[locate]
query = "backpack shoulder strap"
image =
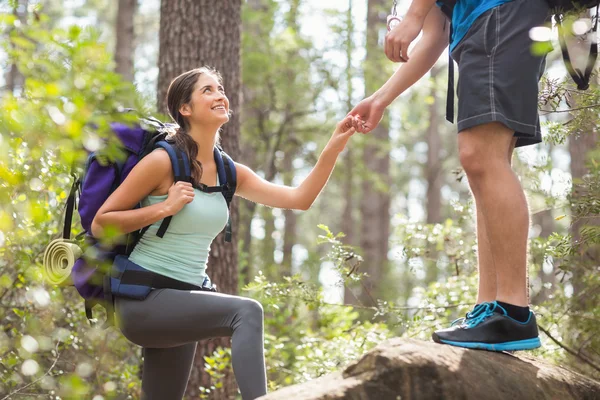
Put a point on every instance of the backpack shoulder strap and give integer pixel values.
(225, 170)
(181, 172)
(71, 205)
(179, 162)
(228, 181)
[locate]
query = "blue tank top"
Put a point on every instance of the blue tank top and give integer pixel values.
(464, 15)
(182, 253)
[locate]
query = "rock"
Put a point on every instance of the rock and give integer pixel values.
(401, 369)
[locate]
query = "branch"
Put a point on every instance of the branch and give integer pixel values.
(570, 351)
(322, 303)
(37, 380)
(8, 289)
(539, 211)
(572, 109)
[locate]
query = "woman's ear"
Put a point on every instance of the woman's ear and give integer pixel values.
(185, 110)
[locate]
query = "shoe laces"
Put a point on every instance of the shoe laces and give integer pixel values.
(481, 313)
(479, 308)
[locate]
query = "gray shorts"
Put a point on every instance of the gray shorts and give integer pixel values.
(498, 75)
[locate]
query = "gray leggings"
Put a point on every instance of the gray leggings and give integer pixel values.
(168, 323)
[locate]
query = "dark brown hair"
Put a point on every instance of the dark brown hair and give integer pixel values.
(180, 93)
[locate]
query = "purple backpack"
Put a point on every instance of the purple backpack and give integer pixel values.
(91, 272)
(99, 180)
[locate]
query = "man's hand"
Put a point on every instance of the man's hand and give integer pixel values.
(399, 38)
(367, 114)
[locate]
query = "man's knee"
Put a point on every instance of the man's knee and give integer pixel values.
(471, 160)
(484, 148)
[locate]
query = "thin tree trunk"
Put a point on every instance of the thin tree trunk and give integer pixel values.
(579, 146)
(348, 223)
(247, 212)
(291, 219)
(545, 220)
(434, 164)
(194, 33)
(250, 27)
(375, 204)
(14, 79)
(125, 48)
(268, 243)
(433, 175)
(580, 143)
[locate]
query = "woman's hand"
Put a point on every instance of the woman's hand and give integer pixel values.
(343, 130)
(180, 194)
(254, 188)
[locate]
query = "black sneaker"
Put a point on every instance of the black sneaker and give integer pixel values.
(489, 327)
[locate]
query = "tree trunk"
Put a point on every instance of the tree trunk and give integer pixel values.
(125, 48)
(291, 219)
(194, 33)
(579, 146)
(433, 175)
(375, 203)
(250, 27)
(545, 220)
(413, 370)
(14, 78)
(583, 264)
(348, 225)
(267, 244)
(433, 167)
(580, 143)
(247, 211)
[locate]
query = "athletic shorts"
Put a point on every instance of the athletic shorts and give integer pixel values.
(498, 74)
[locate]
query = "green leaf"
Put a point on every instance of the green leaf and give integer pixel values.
(541, 48)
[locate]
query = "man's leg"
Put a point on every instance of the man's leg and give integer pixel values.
(497, 101)
(507, 323)
(501, 202)
(487, 290)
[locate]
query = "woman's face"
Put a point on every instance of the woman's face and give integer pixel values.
(208, 105)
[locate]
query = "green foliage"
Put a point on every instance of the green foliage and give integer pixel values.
(216, 367)
(570, 313)
(305, 337)
(45, 129)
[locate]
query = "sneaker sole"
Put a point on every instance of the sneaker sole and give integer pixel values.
(527, 344)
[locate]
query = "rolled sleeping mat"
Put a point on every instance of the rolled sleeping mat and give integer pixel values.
(59, 258)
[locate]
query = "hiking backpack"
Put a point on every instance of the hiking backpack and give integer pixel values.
(91, 272)
(558, 8)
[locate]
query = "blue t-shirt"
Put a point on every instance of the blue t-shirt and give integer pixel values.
(464, 15)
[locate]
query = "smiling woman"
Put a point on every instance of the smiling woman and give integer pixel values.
(197, 99)
(170, 318)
